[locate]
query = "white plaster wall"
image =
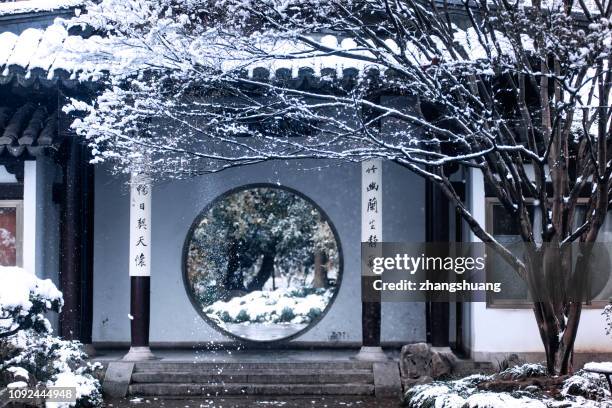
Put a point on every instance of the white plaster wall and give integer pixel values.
(335, 187)
(29, 216)
(495, 332)
(6, 177)
(41, 221)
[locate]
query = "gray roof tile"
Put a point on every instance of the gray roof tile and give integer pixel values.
(29, 127)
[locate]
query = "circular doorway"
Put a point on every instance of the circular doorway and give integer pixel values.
(262, 263)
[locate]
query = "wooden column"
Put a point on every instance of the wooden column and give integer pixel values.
(87, 248)
(140, 267)
(437, 230)
(71, 238)
(76, 257)
(371, 233)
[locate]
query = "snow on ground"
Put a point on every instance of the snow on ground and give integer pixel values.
(286, 305)
(602, 367)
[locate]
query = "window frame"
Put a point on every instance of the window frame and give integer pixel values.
(18, 205)
(490, 202)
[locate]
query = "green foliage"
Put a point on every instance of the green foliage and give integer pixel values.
(305, 291)
(286, 315)
(314, 312)
(225, 317)
(207, 294)
(247, 224)
(29, 353)
(242, 316)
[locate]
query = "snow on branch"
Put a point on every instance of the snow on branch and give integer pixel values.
(520, 92)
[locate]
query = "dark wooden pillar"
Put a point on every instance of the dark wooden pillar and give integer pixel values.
(87, 248)
(71, 249)
(76, 231)
(140, 300)
(437, 230)
(370, 318)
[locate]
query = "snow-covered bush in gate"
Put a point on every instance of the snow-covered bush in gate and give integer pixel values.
(607, 313)
(30, 356)
(278, 306)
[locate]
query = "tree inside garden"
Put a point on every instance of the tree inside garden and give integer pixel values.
(258, 235)
(262, 262)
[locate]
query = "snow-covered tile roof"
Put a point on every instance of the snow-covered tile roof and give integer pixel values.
(52, 53)
(33, 6)
(48, 54)
(29, 127)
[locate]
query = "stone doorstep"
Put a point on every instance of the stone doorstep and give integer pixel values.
(169, 365)
(387, 381)
(260, 377)
(157, 389)
(117, 379)
(167, 378)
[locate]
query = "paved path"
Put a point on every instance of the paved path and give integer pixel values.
(255, 402)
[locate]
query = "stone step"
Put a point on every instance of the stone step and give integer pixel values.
(239, 366)
(210, 390)
(267, 376)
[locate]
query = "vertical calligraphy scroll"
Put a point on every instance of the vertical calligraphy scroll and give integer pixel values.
(140, 226)
(371, 237)
(371, 202)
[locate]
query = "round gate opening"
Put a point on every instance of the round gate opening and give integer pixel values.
(262, 263)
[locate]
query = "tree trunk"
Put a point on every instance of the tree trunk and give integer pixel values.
(557, 335)
(233, 276)
(264, 273)
(320, 272)
(558, 295)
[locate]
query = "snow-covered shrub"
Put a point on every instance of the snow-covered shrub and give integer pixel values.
(286, 315)
(23, 301)
(523, 371)
(279, 306)
(29, 354)
(607, 313)
(584, 384)
(583, 389)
